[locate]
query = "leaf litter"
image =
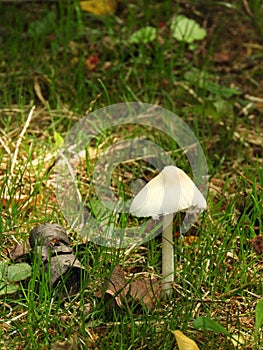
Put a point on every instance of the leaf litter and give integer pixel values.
(145, 292)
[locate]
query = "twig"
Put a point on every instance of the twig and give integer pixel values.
(16, 317)
(20, 140)
(254, 98)
(247, 8)
(18, 145)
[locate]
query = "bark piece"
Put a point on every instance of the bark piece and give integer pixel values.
(51, 243)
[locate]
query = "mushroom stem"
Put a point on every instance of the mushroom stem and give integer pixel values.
(167, 254)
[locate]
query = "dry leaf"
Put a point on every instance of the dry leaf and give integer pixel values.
(184, 343)
(38, 91)
(115, 286)
(99, 7)
(146, 292)
(223, 57)
(19, 250)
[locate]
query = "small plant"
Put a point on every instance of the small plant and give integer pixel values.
(208, 324)
(182, 28)
(144, 35)
(187, 30)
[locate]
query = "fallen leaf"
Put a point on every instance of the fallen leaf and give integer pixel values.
(9, 274)
(18, 272)
(115, 286)
(38, 91)
(222, 57)
(146, 292)
(99, 7)
(184, 343)
(19, 250)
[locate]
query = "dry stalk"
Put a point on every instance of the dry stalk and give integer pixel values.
(14, 160)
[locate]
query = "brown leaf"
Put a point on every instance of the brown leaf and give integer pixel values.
(257, 244)
(146, 292)
(115, 286)
(19, 250)
(222, 57)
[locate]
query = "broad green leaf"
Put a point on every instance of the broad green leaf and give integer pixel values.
(186, 29)
(58, 139)
(18, 272)
(184, 343)
(144, 35)
(3, 271)
(8, 288)
(207, 324)
(259, 315)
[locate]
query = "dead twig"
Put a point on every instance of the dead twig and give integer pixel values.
(14, 160)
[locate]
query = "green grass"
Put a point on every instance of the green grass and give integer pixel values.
(44, 55)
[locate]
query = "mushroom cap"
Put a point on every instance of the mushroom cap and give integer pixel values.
(169, 192)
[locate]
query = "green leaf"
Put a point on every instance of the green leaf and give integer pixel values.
(224, 107)
(259, 315)
(3, 271)
(204, 81)
(222, 91)
(186, 29)
(58, 139)
(207, 324)
(18, 272)
(144, 35)
(8, 288)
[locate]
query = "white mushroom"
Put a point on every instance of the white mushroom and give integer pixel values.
(170, 192)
